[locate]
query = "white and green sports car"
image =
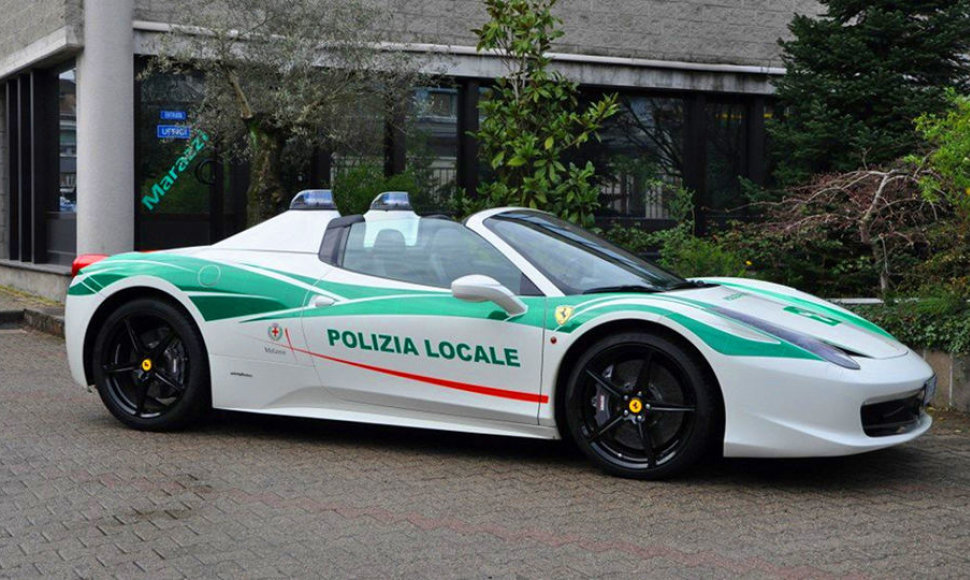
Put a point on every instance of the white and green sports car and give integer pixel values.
(511, 323)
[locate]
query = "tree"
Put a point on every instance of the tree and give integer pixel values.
(883, 209)
(946, 177)
(948, 161)
(303, 73)
(857, 77)
(531, 119)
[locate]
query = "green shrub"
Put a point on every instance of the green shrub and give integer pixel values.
(826, 266)
(939, 322)
(680, 250)
(949, 158)
(688, 255)
(354, 189)
(632, 239)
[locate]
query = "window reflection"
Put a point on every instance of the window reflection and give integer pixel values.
(639, 157)
(432, 147)
(173, 197)
(67, 108)
(645, 141)
(726, 157)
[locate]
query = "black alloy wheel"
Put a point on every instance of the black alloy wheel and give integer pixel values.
(639, 406)
(150, 366)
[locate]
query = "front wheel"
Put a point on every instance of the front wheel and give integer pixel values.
(640, 406)
(150, 366)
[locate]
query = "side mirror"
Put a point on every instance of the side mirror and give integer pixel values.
(478, 288)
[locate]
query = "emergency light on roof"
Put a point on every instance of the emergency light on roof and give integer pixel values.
(313, 199)
(391, 201)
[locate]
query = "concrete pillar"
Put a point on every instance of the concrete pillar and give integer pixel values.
(106, 129)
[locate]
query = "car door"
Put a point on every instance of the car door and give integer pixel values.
(394, 337)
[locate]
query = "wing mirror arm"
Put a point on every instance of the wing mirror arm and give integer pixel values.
(478, 288)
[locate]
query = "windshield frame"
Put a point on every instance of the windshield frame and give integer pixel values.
(596, 247)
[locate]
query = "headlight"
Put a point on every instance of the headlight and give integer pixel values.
(929, 390)
(801, 340)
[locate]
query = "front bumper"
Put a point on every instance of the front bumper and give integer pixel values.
(814, 409)
(78, 311)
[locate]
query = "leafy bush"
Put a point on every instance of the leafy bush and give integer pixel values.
(354, 189)
(949, 262)
(949, 159)
(829, 266)
(680, 250)
(939, 322)
(689, 255)
(633, 239)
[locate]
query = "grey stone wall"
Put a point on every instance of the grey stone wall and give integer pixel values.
(952, 379)
(4, 186)
(24, 21)
(743, 32)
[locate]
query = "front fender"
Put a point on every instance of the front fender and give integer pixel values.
(588, 317)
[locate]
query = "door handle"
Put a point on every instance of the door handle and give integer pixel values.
(321, 301)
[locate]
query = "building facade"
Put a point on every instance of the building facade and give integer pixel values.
(84, 138)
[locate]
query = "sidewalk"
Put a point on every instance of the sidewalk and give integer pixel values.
(21, 308)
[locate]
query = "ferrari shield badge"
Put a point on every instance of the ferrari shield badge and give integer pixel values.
(563, 313)
(275, 332)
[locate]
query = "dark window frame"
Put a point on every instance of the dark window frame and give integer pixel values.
(33, 161)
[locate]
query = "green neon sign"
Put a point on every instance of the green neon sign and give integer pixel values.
(162, 186)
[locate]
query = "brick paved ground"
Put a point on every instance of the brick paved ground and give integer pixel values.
(250, 496)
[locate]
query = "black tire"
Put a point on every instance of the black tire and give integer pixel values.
(640, 406)
(150, 366)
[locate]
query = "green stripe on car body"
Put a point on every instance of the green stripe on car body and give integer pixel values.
(254, 293)
(722, 341)
(836, 313)
(235, 292)
(81, 288)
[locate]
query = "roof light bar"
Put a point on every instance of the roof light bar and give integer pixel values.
(313, 199)
(392, 201)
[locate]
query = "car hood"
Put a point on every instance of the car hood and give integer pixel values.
(797, 311)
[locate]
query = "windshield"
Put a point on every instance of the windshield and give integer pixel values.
(577, 261)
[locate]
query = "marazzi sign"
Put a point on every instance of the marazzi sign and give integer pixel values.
(161, 187)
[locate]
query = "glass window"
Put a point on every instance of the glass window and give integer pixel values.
(639, 155)
(575, 260)
(174, 165)
(427, 251)
(432, 147)
(644, 143)
(67, 107)
(357, 166)
(726, 157)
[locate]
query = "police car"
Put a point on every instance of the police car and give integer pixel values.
(511, 323)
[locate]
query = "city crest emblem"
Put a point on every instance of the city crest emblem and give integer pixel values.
(275, 332)
(563, 313)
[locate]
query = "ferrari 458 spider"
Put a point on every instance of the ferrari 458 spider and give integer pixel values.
(511, 323)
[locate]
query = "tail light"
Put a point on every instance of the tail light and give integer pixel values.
(85, 260)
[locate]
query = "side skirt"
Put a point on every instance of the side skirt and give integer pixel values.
(405, 418)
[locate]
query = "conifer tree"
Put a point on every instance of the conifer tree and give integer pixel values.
(859, 75)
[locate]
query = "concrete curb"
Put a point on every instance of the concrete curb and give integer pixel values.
(11, 316)
(49, 320)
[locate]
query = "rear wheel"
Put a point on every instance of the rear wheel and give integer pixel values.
(150, 366)
(640, 406)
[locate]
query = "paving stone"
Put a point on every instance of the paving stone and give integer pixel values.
(256, 497)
